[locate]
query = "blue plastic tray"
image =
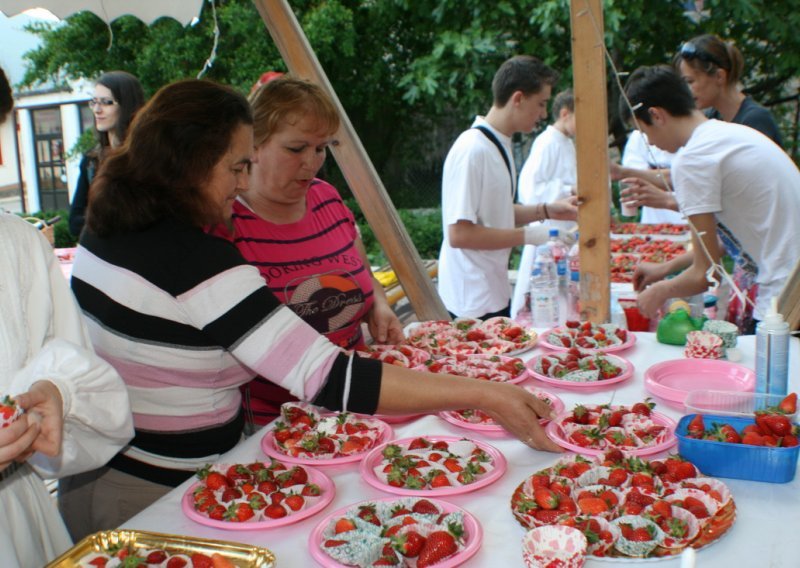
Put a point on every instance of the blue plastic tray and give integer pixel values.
(737, 461)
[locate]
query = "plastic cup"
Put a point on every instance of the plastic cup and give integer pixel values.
(628, 210)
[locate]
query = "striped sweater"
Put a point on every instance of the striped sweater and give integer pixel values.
(186, 321)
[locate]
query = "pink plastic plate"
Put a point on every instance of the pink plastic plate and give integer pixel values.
(454, 418)
(393, 418)
(375, 457)
(627, 373)
(610, 349)
(314, 476)
(471, 526)
(673, 380)
(270, 448)
(556, 434)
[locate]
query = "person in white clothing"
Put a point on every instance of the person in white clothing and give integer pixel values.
(641, 159)
(478, 212)
(76, 410)
(718, 176)
(550, 173)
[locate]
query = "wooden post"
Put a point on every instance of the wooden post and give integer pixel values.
(356, 165)
(591, 144)
(789, 300)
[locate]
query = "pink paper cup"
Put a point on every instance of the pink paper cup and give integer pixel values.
(554, 543)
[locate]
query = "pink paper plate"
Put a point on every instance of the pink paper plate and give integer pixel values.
(556, 434)
(375, 457)
(314, 476)
(471, 525)
(627, 373)
(543, 341)
(268, 447)
(453, 418)
(673, 380)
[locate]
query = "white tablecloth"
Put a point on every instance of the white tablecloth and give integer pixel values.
(765, 533)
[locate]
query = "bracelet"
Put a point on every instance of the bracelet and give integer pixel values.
(546, 214)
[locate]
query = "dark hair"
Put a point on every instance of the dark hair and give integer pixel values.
(6, 96)
(564, 99)
(173, 144)
(709, 52)
(521, 73)
(128, 94)
(656, 86)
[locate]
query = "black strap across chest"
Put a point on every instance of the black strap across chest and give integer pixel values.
(490, 135)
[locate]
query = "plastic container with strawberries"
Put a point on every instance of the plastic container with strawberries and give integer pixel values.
(737, 461)
(732, 403)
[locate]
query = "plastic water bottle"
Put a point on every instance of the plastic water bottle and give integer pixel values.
(772, 353)
(574, 284)
(559, 252)
(544, 289)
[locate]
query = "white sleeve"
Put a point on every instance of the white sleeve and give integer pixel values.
(462, 180)
(539, 182)
(97, 418)
(97, 415)
(697, 181)
(635, 153)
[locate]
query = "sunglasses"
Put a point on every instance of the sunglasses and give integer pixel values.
(101, 102)
(691, 51)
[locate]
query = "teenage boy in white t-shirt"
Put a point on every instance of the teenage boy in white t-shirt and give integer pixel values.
(479, 216)
(723, 173)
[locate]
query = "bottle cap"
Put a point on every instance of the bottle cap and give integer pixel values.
(554, 232)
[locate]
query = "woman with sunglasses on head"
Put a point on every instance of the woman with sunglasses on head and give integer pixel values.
(186, 320)
(117, 96)
(713, 70)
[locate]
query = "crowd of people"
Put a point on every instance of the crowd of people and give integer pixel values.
(218, 276)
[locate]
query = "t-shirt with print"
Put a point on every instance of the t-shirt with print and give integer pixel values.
(753, 188)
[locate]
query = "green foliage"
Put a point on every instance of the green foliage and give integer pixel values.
(423, 225)
(62, 237)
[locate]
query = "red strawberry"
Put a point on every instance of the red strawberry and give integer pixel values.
(410, 544)
(440, 479)
(310, 490)
(216, 512)
(9, 411)
(643, 408)
(696, 428)
(176, 562)
(239, 513)
(214, 480)
(425, 507)
(592, 505)
(545, 498)
(789, 404)
(275, 511)
(100, 562)
(789, 441)
(440, 545)
(333, 543)
(778, 424)
(753, 439)
(294, 501)
(200, 560)
(419, 443)
(642, 534)
(156, 557)
(369, 514)
(344, 525)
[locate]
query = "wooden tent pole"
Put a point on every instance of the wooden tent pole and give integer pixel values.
(789, 299)
(591, 144)
(356, 165)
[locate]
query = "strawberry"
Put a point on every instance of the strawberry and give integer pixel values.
(642, 534)
(452, 465)
(663, 508)
(9, 411)
(369, 514)
(100, 562)
(410, 544)
(547, 517)
(545, 498)
(753, 439)
(425, 507)
(440, 479)
(789, 404)
(230, 494)
(344, 525)
(696, 428)
(789, 441)
(294, 501)
(176, 562)
(239, 513)
(728, 433)
(617, 477)
(592, 506)
(333, 543)
(310, 490)
(200, 560)
(440, 545)
(643, 408)
(418, 444)
(214, 480)
(275, 511)
(257, 501)
(216, 512)
(777, 424)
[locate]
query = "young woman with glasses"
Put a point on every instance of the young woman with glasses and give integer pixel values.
(117, 96)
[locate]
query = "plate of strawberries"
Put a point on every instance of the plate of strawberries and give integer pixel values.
(433, 465)
(258, 495)
(400, 355)
(628, 507)
(636, 430)
(304, 435)
(588, 336)
(406, 531)
(468, 336)
(494, 368)
(475, 419)
(578, 369)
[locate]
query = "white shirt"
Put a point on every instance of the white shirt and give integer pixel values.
(476, 187)
(641, 155)
(753, 188)
(42, 336)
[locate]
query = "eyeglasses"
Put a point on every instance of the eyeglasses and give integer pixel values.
(101, 102)
(691, 51)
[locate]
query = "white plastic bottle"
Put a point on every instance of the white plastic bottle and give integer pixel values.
(772, 353)
(574, 284)
(544, 289)
(559, 251)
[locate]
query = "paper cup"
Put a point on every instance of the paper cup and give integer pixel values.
(543, 545)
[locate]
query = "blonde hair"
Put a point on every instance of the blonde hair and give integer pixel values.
(287, 99)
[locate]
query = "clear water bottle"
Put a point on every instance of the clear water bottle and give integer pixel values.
(544, 289)
(559, 252)
(574, 284)
(772, 353)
